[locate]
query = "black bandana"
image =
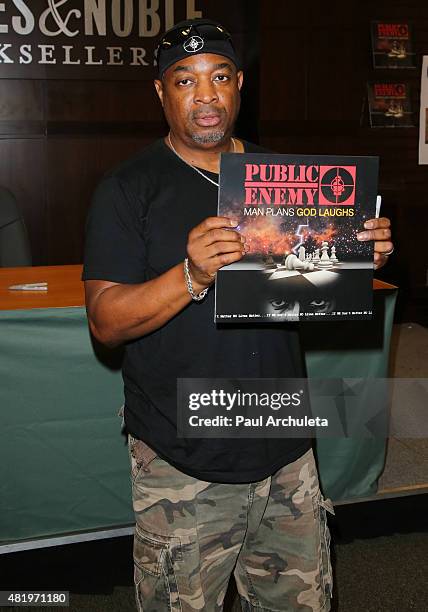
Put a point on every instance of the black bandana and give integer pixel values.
(193, 37)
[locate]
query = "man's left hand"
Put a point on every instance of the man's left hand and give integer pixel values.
(379, 231)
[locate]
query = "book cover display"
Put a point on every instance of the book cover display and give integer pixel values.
(300, 216)
(392, 45)
(389, 105)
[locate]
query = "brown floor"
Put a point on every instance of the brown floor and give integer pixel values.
(406, 465)
(379, 557)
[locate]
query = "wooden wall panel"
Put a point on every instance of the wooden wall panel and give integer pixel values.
(58, 137)
(283, 76)
(72, 171)
(21, 100)
(75, 165)
(319, 55)
(335, 87)
(101, 101)
(114, 150)
(21, 108)
(22, 170)
(283, 15)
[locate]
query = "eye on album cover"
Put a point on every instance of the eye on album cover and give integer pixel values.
(300, 216)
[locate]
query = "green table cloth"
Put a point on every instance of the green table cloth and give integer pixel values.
(64, 462)
(350, 467)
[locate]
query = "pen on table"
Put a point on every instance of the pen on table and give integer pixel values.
(43, 286)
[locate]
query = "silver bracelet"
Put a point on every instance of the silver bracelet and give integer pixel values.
(197, 297)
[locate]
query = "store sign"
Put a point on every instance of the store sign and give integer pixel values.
(85, 38)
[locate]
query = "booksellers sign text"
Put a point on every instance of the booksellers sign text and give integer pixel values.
(66, 38)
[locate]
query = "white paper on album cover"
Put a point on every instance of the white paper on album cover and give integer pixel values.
(423, 117)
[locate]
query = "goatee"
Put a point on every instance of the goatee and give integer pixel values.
(210, 138)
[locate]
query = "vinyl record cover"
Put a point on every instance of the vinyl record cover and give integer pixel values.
(392, 45)
(300, 215)
(389, 105)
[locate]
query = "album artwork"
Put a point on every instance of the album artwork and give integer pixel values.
(392, 45)
(300, 215)
(389, 105)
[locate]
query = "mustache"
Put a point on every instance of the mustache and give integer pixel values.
(207, 111)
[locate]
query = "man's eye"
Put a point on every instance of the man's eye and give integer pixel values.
(221, 77)
(184, 82)
(279, 304)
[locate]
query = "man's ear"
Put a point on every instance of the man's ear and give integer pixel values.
(159, 89)
(240, 77)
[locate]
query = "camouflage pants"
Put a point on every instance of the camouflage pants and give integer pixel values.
(190, 536)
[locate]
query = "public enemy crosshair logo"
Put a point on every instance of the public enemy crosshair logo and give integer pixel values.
(337, 185)
(194, 44)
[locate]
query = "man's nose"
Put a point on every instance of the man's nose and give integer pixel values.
(205, 92)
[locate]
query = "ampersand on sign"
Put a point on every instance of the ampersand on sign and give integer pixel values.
(62, 24)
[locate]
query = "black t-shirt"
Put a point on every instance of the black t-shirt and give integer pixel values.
(137, 229)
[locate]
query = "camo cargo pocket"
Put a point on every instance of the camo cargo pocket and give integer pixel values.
(321, 507)
(154, 577)
(140, 456)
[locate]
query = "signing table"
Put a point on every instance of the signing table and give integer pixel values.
(64, 465)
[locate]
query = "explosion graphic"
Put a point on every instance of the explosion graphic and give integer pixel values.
(264, 235)
(278, 236)
(270, 235)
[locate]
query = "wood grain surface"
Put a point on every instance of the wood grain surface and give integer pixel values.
(64, 287)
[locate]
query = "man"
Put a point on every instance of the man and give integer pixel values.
(204, 507)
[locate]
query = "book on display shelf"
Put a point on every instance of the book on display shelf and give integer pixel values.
(300, 215)
(392, 45)
(389, 105)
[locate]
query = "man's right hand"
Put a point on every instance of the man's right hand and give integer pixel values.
(211, 245)
(120, 312)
